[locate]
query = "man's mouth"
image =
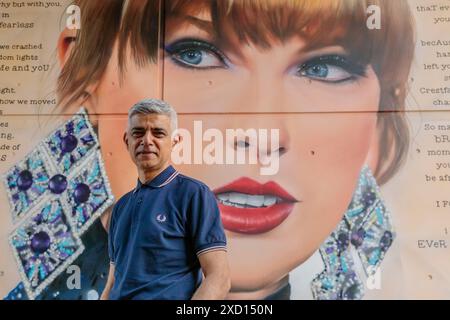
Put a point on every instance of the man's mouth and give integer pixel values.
(250, 207)
(145, 153)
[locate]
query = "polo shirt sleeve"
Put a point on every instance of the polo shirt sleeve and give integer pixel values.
(111, 236)
(205, 223)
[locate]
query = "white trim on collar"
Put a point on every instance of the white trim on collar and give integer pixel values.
(169, 179)
(173, 176)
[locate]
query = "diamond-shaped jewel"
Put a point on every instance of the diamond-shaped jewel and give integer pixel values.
(69, 144)
(63, 176)
(89, 194)
(367, 227)
(44, 245)
(26, 182)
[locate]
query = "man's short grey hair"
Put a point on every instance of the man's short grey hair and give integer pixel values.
(154, 106)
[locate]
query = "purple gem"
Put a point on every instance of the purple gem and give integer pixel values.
(24, 180)
(342, 241)
(357, 238)
(386, 240)
(68, 143)
(81, 193)
(57, 184)
(369, 198)
(38, 219)
(40, 242)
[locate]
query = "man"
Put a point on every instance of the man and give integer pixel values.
(167, 231)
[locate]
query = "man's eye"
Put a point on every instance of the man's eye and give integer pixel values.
(158, 133)
(332, 69)
(195, 54)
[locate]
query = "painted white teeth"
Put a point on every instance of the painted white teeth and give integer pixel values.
(269, 201)
(255, 201)
(242, 200)
(239, 198)
(223, 196)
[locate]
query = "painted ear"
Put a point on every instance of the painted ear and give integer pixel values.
(65, 45)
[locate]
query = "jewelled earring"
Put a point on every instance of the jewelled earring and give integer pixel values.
(365, 228)
(55, 195)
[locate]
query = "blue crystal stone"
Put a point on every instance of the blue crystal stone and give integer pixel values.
(386, 240)
(351, 293)
(369, 198)
(57, 184)
(24, 180)
(81, 193)
(68, 143)
(40, 242)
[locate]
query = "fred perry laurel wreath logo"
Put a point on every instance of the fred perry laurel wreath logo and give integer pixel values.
(161, 218)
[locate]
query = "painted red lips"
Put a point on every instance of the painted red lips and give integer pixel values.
(250, 207)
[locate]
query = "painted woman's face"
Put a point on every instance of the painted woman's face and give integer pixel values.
(324, 105)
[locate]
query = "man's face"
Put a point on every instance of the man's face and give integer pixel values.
(148, 139)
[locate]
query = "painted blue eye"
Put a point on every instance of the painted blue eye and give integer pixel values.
(197, 58)
(331, 68)
(192, 57)
(196, 54)
(318, 71)
(325, 72)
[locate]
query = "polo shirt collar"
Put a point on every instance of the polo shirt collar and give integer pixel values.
(162, 179)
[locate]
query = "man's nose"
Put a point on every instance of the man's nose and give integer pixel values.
(147, 139)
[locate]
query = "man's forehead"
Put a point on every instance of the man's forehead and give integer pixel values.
(152, 120)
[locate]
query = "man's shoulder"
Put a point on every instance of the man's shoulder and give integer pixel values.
(191, 184)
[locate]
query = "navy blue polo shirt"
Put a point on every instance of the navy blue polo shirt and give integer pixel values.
(156, 234)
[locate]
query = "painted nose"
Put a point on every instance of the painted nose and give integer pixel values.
(271, 139)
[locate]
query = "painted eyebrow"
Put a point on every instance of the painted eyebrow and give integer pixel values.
(207, 27)
(204, 25)
(319, 49)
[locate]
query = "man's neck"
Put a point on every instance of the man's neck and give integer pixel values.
(149, 175)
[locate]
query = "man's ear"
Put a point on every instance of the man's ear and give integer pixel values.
(66, 42)
(125, 139)
(176, 138)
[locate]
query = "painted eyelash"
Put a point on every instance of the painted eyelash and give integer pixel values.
(184, 45)
(354, 69)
